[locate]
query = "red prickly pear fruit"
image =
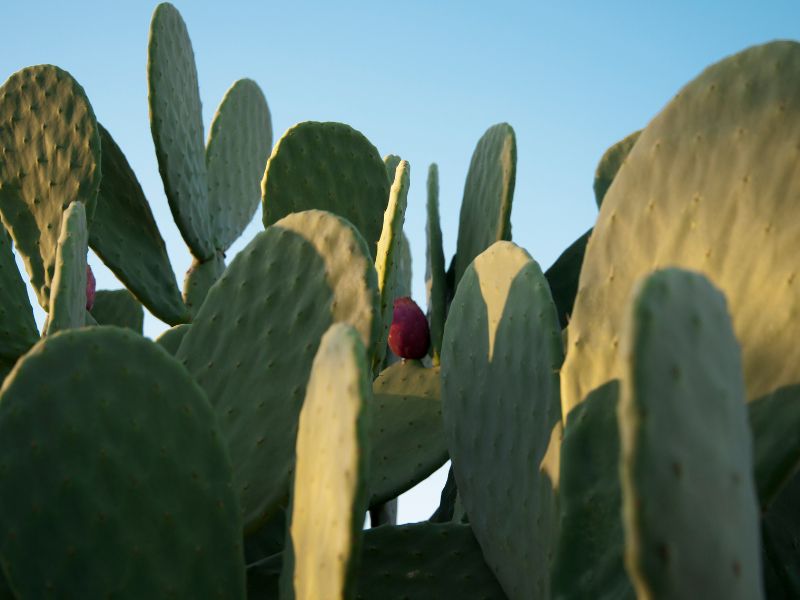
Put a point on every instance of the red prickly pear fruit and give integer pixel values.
(409, 336)
(91, 286)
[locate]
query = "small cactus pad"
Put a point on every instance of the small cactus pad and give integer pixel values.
(171, 339)
(253, 340)
(713, 177)
(51, 157)
(119, 308)
(434, 265)
(781, 542)
(500, 357)
(774, 422)
(406, 434)
(17, 327)
(391, 162)
(328, 166)
(69, 292)
(124, 227)
(690, 510)
(609, 164)
(488, 193)
(199, 279)
(132, 493)
(176, 122)
(589, 560)
(424, 561)
(405, 273)
(238, 147)
(409, 334)
(563, 277)
(330, 484)
(387, 254)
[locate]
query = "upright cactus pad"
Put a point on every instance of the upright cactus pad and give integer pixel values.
(239, 144)
(327, 166)
(406, 434)
(711, 185)
(132, 494)
(434, 268)
(199, 279)
(330, 485)
(118, 308)
(68, 300)
(176, 122)
(17, 327)
(253, 340)
(610, 163)
(488, 193)
(690, 510)
(51, 157)
(563, 277)
(500, 403)
(171, 339)
(124, 227)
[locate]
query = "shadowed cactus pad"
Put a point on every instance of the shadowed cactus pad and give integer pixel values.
(134, 459)
(69, 296)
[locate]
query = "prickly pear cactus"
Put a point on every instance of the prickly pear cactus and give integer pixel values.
(68, 295)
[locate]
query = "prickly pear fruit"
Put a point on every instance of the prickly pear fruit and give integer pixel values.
(409, 336)
(91, 286)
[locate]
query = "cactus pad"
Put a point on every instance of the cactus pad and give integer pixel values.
(199, 279)
(253, 340)
(406, 434)
(176, 122)
(690, 510)
(124, 227)
(500, 357)
(563, 277)
(330, 485)
(171, 339)
(51, 157)
(609, 165)
(434, 269)
(118, 308)
(713, 177)
(328, 166)
(486, 208)
(68, 294)
(239, 144)
(134, 459)
(17, 326)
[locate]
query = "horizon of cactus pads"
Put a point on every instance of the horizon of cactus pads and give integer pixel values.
(623, 425)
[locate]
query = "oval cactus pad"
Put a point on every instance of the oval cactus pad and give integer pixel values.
(253, 340)
(500, 357)
(132, 495)
(329, 166)
(51, 157)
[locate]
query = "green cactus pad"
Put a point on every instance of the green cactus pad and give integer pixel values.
(199, 279)
(17, 327)
(119, 308)
(711, 178)
(690, 510)
(405, 272)
(132, 494)
(774, 422)
(68, 291)
(268, 540)
(239, 144)
(589, 561)
(406, 435)
(447, 500)
(171, 339)
(252, 342)
(486, 208)
(391, 162)
(781, 543)
(500, 357)
(330, 484)
(388, 253)
(609, 165)
(51, 158)
(563, 277)
(124, 227)
(434, 268)
(328, 166)
(176, 122)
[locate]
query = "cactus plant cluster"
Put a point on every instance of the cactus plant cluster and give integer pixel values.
(624, 424)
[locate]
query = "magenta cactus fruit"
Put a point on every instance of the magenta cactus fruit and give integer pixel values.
(409, 336)
(91, 286)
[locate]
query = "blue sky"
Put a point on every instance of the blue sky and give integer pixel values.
(420, 79)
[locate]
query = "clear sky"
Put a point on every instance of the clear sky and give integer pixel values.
(421, 79)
